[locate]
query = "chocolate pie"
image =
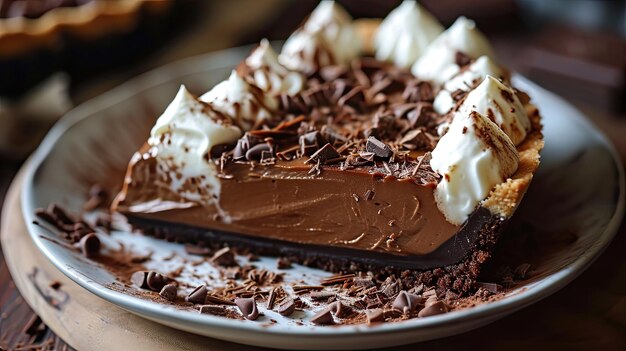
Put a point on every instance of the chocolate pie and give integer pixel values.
(394, 146)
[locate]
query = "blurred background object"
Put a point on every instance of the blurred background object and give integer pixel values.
(55, 54)
(48, 48)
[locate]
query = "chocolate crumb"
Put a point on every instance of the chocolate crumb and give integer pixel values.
(365, 282)
(55, 285)
(287, 307)
(197, 250)
(283, 263)
(307, 287)
(259, 152)
(169, 292)
(311, 142)
(323, 317)
(491, 287)
(337, 279)
(224, 257)
(374, 316)
(433, 309)
(271, 299)
(90, 245)
(378, 148)
(198, 295)
(325, 154)
(406, 302)
(339, 309)
(462, 59)
(248, 308)
(322, 295)
(157, 281)
(353, 98)
(212, 309)
(218, 300)
(252, 257)
(243, 145)
(139, 279)
(97, 197)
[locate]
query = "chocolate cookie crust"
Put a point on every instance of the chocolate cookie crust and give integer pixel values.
(458, 277)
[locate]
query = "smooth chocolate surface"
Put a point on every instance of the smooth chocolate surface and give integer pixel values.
(349, 208)
(338, 258)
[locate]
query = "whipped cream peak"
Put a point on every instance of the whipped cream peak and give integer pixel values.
(472, 158)
(306, 52)
(405, 33)
(327, 37)
(246, 104)
(465, 80)
(182, 139)
(269, 75)
(438, 63)
(328, 15)
(500, 104)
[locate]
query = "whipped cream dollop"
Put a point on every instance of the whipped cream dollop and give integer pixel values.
(465, 80)
(269, 75)
(500, 104)
(181, 141)
(472, 157)
(438, 63)
(246, 104)
(327, 37)
(405, 33)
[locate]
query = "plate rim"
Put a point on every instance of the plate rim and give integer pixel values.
(221, 59)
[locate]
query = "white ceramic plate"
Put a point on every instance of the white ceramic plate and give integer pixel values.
(579, 188)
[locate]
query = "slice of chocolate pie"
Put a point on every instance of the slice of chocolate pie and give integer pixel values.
(344, 158)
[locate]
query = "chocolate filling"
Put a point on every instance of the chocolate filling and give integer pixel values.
(452, 251)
